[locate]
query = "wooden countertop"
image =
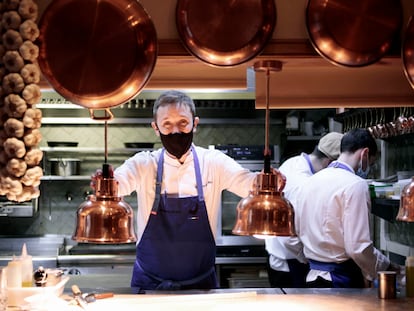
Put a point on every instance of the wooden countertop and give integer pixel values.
(251, 299)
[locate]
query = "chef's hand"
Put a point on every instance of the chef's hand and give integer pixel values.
(281, 179)
(99, 174)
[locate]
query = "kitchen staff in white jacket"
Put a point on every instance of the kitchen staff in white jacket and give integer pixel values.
(332, 218)
(179, 193)
(287, 266)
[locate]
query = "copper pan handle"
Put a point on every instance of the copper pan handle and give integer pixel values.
(108, 115)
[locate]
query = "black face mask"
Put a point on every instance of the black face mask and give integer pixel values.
(177, 144)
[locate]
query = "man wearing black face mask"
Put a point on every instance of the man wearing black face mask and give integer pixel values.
(179, 192)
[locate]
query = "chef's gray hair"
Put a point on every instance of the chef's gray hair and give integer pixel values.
(173, 98)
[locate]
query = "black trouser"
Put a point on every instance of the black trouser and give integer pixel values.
(296, 278)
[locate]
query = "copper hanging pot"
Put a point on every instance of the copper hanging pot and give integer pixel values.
(407, 51)
(225, 32)
(353, 33)
(97, 53)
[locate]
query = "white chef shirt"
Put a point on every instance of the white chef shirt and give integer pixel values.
(332, 221)
(296, 170)
(218, 172)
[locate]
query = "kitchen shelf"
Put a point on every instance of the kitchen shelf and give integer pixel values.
(72, 177)
(385, 208)
(302, 137)
(92, 150)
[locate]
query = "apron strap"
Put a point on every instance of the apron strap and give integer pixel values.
(337, 164)
(158, 183)
(306, 156)
(175, 285)
(198, 176)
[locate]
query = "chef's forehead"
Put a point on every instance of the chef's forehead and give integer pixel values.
(174, 98)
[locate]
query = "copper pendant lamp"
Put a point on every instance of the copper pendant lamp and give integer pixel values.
(105, 218)
(406, 211)
(266, 212)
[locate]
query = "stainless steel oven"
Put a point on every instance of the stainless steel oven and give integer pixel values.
(250, 157)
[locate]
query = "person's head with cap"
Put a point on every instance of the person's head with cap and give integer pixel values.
(330, 145)
(327, 150)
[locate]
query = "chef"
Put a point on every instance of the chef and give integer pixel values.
(287, 266)
(179, 193)
(332, 218)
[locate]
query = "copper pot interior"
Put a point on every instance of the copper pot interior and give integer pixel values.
(353, 33)
(97, 53)
(225, 32)
(408, 51)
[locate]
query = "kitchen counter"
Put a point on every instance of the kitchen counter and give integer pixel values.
(126, 298)
(255, 299)
(243, 299)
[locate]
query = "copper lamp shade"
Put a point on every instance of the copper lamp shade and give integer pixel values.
(406, 211)
(105, 218)
(265, 211)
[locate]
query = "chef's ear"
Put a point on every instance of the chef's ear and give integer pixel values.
(155, 127)
(195, 123)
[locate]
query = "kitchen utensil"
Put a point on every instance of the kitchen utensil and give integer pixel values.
(54, 276)
(387, 284)
(225, 32)
(40, 277)
(353, 33)
(77, 294)
(62, 143)
(97, 53)
(91, 297)
(64, 166)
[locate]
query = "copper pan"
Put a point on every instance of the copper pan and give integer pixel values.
(225, 32)
(407, 51)
(97, 53)
(353, 33)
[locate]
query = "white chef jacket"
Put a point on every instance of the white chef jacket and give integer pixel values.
(332, 209)
(296, 170)
(218, 172)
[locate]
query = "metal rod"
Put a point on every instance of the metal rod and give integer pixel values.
(267, 150)
(106, 139)
(267, 66)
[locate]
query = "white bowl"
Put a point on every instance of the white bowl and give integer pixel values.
(16, 295)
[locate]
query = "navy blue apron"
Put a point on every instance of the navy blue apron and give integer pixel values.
(346, 274)
(177, 249)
